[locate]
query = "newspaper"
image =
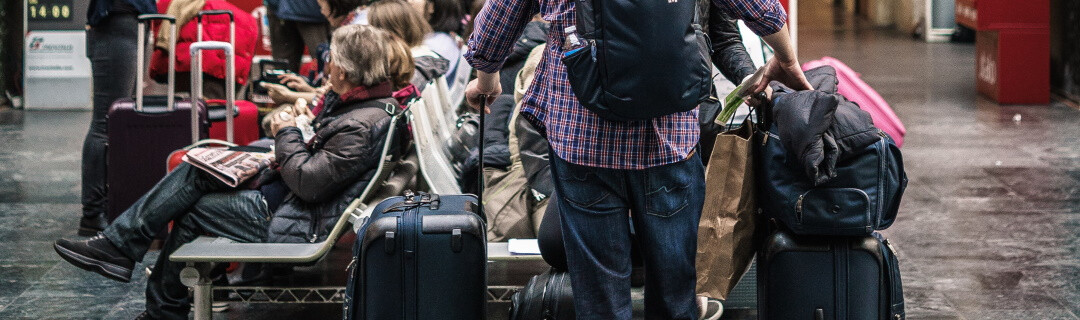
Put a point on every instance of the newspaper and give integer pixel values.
(231, 167)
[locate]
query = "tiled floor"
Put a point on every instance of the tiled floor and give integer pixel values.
(988, 228)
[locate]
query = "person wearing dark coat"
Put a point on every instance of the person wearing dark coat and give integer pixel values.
(322, 174)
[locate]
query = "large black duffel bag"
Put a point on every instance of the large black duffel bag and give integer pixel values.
(863, 197)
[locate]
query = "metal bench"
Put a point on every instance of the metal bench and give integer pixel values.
(455, 97)
(430, 134)
(201, 254)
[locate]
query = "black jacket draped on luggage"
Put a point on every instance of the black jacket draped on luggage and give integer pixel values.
(820, 127)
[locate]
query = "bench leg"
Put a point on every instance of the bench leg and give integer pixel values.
(195, 276)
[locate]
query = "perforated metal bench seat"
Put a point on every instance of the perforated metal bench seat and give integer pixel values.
(211, 249)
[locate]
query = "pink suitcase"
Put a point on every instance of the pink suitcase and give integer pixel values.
(853, 88)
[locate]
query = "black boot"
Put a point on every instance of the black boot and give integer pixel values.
(90, 225)
(96, 254)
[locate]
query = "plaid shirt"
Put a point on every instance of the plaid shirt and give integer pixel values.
(577, 135)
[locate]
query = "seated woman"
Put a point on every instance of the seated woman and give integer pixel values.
(343, 12)
(405, 25)
(447, 21)
(321, 177)
(399, 18)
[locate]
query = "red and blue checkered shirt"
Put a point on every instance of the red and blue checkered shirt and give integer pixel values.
(577, 135)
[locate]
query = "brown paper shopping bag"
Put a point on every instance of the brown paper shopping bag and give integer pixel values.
(726, 230)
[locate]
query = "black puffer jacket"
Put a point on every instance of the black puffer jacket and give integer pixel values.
(728, 53)
(428, 67)
(820, 127)
(327, 174)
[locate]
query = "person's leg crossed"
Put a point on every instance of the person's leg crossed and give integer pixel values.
(667, 206)
(237, 215)
(133, 231)
(596, 235)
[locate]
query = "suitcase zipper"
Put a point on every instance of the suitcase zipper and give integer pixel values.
(881, 179)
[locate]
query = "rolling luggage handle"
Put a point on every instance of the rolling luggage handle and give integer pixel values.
(480, 157)
(230, 106)
(232, 24)
(196, 84)
(140, 60)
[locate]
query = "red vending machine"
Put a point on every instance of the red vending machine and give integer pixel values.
(1012, 48)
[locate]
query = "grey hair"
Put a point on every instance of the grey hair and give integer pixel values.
(356, 49)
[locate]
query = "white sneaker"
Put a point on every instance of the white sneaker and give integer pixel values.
(710, 309)
(219, 306)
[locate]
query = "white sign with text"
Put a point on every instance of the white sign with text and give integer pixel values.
(56, 54)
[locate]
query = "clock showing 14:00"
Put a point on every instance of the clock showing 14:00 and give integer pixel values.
(49, 10)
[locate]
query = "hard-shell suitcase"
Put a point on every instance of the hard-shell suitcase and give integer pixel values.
(246, 114)
(853, 88)
(547, 296)
(421, 256)
(143, 131)
(828, 278)
(229, 103)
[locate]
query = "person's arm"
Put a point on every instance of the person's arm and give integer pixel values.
(768, 20)
(498, 25)
(728, 53)
(316, 176)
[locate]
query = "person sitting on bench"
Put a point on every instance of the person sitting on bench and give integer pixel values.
(322, 176)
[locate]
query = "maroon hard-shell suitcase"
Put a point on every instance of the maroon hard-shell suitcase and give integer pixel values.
(143, 131)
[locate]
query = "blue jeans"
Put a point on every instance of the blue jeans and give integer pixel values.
(198, 204)
(600, 206)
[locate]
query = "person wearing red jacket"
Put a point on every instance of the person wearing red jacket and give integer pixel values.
(215, 28)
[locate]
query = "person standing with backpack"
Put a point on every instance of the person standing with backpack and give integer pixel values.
(616, 96)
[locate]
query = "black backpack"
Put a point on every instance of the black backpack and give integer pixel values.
(640, 59)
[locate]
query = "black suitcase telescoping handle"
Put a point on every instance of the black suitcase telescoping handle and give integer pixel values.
(196, 84)
(140, 60)
(480, 156)
(232, 23)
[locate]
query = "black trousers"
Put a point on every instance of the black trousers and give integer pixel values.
(111, 49)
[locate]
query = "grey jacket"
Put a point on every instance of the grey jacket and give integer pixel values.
(327, 174)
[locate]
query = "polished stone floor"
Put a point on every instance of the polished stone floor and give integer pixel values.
(987, 230)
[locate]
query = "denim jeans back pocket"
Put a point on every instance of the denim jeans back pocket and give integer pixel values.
(580, 187)
(668, 192)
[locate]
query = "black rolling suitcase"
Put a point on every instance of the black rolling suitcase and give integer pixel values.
(547, 296)
(828, 278)
(143, 131)
(421, 256)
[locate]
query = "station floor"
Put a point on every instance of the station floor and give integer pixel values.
(988, 228)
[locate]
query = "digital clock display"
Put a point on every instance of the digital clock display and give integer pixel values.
(49, 10)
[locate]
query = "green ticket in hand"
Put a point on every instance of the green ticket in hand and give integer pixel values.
(731, 103)
(738, 96)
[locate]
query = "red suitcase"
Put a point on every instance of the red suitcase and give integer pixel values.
(142, 132)
(246, 114)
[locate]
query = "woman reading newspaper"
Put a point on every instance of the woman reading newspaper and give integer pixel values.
(321, 174)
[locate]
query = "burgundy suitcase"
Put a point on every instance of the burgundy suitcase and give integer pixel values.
(246, 124)
(142, 132)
